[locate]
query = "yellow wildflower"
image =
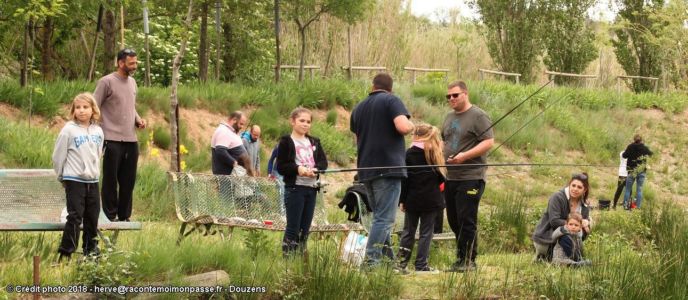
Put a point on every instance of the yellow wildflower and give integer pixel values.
(183, 165)
(155, 152)
(183, 150)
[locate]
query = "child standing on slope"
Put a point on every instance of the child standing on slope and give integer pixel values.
(76, 161)
(299, 157)
(421, 199)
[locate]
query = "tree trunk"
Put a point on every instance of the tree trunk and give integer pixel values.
(329, 54)
(278, 57)
(175, 162)
(229, 63)
(218, 31)
(302, 38)
(99, 26)
(121, 25)
(203, 44)
(146, 45)
(25, 55)
(109, 40)
(46, 49)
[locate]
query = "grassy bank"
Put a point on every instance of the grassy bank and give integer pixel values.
(639, 255)
(636, 255)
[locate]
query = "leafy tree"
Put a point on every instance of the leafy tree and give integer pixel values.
(45, 13)
(247, 44)
(305, 12)
(671, 24)
(512, 32)
(634, 48)
(569, 41)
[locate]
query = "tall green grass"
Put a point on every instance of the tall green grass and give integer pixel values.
(24, 146)
(46, 98)
(635, 255)
(152, 199)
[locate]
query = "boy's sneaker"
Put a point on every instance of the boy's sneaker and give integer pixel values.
(461, 267)
(427, 270)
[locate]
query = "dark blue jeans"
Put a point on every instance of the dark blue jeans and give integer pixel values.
(299, 202)
(383, 197)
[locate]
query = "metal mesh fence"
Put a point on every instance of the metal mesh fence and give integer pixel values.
(30, 196)
(240, 201)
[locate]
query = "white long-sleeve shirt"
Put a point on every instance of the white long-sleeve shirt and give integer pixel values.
(622, 165)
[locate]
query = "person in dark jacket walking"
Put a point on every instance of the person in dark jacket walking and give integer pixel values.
(421, 199)
(637, 154)
(299, 157)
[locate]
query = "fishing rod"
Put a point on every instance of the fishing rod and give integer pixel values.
(507, 114)
(464, 166)
(529, 121)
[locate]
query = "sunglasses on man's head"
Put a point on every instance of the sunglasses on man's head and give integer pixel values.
(128, 52)
(454, 95)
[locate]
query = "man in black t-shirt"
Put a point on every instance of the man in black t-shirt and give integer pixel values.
(380, 123)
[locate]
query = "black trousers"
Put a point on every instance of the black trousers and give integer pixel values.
(619, 188)
(408, 237)
(83, 206)
(463, 199)
(119, 169)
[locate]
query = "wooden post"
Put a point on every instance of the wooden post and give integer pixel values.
(348, 35)
(413, 76)
(36, 275)
(656, 82)
(517, 79)
(446, 77)
(482, 77)
(175, 162)
(310, 71)
(618, 87)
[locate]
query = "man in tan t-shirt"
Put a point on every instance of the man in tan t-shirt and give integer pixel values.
(116, 96)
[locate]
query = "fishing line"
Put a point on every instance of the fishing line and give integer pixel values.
(464, 166)
(529, 121)
(507, 114)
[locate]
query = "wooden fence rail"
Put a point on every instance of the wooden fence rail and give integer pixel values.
(350, 70)
(414, 70)
(620, 77)
(504, 74)
(296, 67)
(551, 75)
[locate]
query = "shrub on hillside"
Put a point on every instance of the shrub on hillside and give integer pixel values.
(162, 138)
(332, 117)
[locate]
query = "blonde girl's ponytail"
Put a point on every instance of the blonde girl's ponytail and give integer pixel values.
(430, 136)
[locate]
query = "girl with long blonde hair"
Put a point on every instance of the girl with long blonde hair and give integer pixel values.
(421, 199)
